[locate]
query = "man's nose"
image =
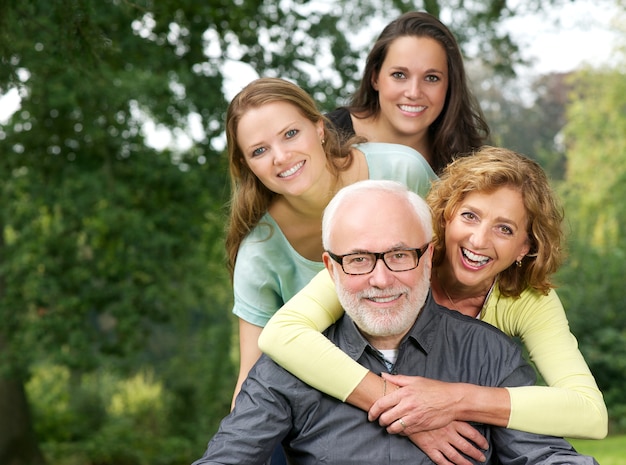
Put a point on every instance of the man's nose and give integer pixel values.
(381, 275)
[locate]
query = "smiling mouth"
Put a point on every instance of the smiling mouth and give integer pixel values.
(291, 170)
(412, 108)
(385, 299)
(474, 259)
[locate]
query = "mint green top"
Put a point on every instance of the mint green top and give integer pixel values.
(268, 270)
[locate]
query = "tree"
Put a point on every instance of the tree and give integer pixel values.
(529, 121)
(594, 191)
(105, 238)
(111, 250)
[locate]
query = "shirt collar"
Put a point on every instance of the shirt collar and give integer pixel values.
(423, 332)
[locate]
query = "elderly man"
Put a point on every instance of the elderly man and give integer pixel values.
(377, 236)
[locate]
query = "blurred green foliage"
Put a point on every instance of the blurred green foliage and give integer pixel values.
(594, 189)
(609, 451)
(117, 345)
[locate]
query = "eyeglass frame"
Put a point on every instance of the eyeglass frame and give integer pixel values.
(419, 251)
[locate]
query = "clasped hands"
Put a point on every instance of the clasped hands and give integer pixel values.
(428, 409)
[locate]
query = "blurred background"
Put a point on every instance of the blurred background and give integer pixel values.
(117, 345)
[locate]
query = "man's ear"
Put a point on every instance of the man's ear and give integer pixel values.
(329, 263)
(426, 261)
(428, 257)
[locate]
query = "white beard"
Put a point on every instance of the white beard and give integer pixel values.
(390, 321)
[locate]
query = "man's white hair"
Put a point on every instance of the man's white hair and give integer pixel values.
(362, 189)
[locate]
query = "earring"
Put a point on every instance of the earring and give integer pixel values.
(323, 140)
(518, 263)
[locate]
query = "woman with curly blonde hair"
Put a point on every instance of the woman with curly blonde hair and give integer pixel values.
(498, 241)
(493, 169)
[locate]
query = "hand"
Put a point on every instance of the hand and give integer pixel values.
(444, 445)
(423, 404)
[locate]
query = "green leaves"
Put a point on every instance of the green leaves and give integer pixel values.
(111, 253)
(594, 189)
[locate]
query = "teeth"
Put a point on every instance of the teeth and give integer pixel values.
(383, 300)
(291, 171)
(412, 109)
(480, 259)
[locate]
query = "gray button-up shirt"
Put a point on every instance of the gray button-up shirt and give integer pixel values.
(275, 406)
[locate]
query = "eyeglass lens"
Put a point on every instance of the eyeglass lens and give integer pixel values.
(396, 260)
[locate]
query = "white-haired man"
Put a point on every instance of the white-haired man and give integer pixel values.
(377, 238)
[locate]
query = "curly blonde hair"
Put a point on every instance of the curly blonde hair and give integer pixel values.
(485, 171)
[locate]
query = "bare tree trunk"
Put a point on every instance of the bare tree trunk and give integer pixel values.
(18, 444)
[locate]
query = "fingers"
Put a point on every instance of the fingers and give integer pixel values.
(381, 406)
(399, 380)
(385, 404)
(397, 427)
(402, 424)
(397, 404)
(468, 449)
(417, 417)
(389, 419)
(471, 434)
(438, 449)
(452, 455)
(459, 442)
(446, 445)
(440, 459)
(422, 404)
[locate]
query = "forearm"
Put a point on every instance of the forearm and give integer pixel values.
(369, 390)
(571, 405)
(558, 412)
(426, 404)
(249, 353)
(489, 405)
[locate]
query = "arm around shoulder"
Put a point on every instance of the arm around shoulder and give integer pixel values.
(293, 339)
(572, 404)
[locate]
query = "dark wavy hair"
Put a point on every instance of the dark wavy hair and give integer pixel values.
(461, 126)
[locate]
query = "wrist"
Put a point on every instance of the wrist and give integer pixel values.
(490, 405)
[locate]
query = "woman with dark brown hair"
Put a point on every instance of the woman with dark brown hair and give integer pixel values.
(414, 91)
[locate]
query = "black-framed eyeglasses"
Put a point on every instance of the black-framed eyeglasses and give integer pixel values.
(365, 262)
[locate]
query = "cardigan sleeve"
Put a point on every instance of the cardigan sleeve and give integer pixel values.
(293, 338)
(571, 404)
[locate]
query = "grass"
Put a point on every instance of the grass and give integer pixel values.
(609, 451)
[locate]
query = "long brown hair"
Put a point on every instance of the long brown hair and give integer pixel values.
(485, 171)
(250, 199)
(461, 126)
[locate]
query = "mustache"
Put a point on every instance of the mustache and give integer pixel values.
(375, 293)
